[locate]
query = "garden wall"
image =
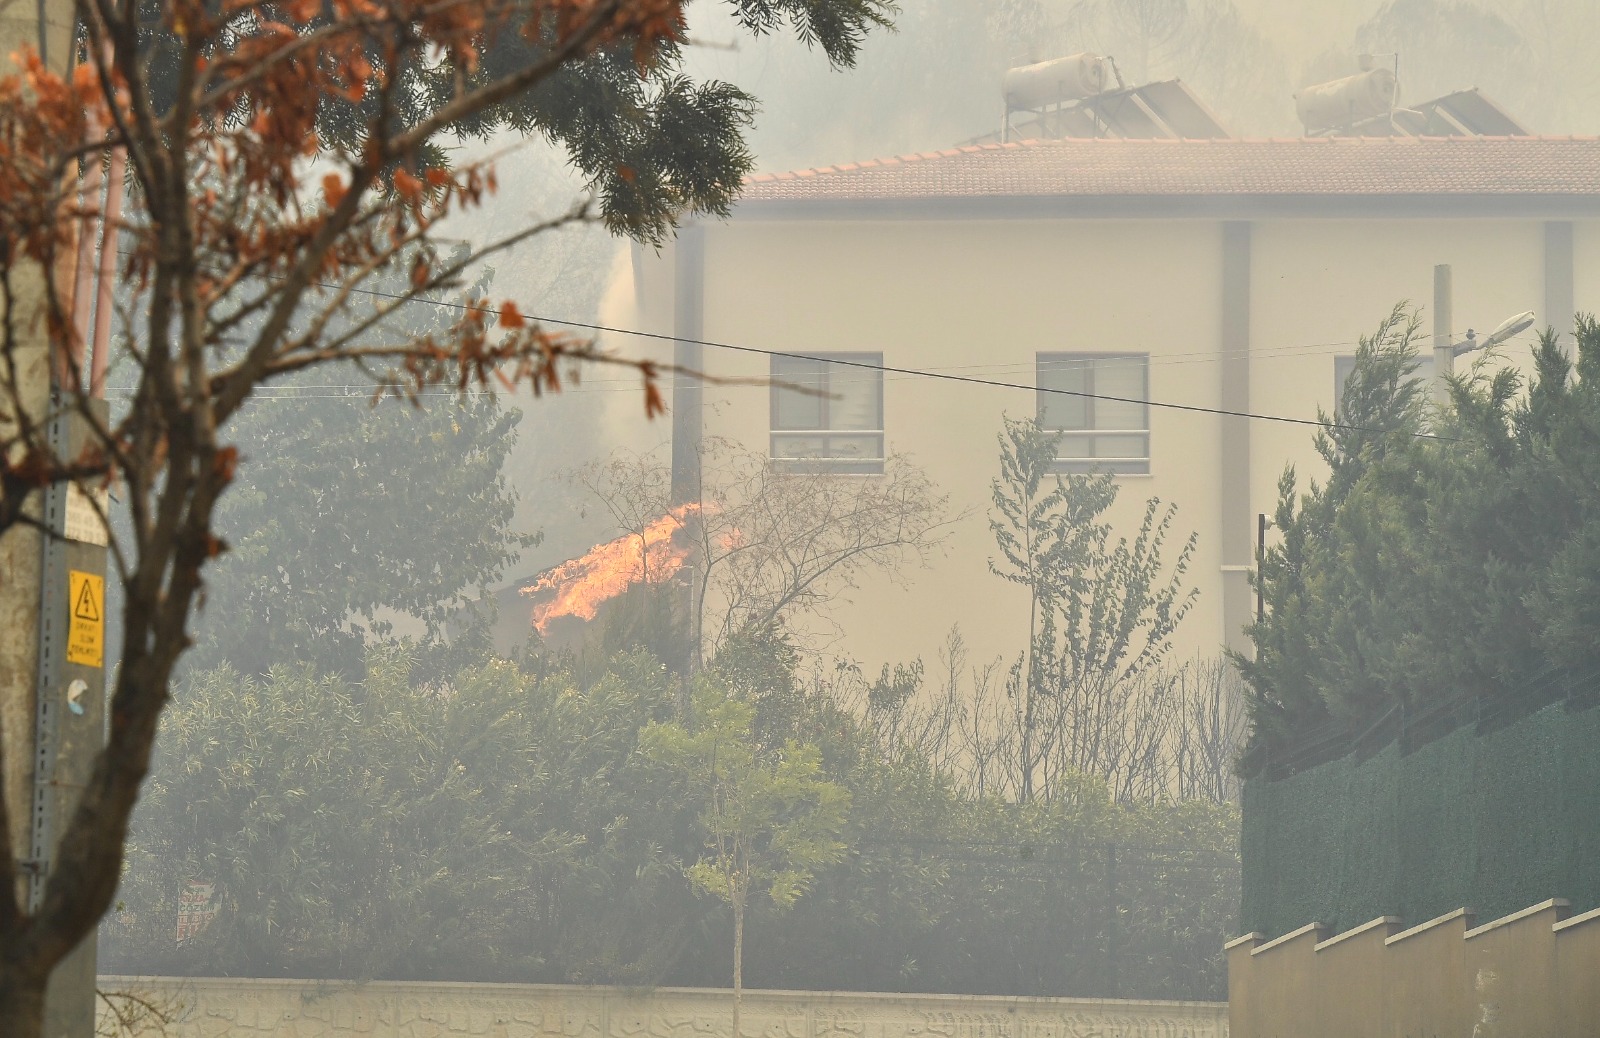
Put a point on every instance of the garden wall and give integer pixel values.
(207, 1007)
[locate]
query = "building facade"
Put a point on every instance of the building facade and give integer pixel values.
(1184, 284)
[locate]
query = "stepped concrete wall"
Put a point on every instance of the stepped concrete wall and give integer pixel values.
(1530, 974)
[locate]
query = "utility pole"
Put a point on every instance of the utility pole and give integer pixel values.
(52, 594)
(1445, 348)
(1443, 334)
(1262, 522)
(688, 429)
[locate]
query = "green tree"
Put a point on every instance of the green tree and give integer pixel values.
(770, 819)
(500, 826)
(1380, 417)
(322, 564)
(1484, 505)
(1102, 610)
(1042, 532)
(412, 518)
(651, 141)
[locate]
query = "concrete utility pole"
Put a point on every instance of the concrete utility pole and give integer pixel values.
(52, 602)
(1444, 342)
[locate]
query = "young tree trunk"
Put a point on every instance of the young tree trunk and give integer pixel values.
(738, 964)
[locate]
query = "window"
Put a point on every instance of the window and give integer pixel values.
(1342, 366)
(1098, 434)
(827, 416)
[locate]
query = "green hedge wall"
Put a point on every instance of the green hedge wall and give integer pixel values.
(1494, 821)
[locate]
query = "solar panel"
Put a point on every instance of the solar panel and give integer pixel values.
(1162, 110)
(1465, 113)
(1473, 113)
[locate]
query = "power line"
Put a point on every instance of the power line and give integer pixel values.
(943, 376)
(924, 373)
(630, 385)
(1166, 359)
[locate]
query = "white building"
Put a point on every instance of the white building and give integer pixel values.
(1218, 275)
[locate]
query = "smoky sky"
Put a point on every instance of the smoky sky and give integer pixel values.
(934, 82)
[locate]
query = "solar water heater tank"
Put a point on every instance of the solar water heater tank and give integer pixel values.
(1345, 102)
(1054, 82)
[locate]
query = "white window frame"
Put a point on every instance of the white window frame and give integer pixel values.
(1092, 461)
(835, 456)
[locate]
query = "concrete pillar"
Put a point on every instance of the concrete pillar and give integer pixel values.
(689, 327)
(1559, 300)
(688, 422)
(1238, 518)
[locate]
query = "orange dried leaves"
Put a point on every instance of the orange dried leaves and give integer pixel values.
(408, 187)
(245, 183)
(333, 190)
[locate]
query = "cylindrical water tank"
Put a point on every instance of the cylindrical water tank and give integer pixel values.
(1329, 106)
(1051, 82)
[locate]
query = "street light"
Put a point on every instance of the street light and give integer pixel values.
(1445, 350)
(1509, 327)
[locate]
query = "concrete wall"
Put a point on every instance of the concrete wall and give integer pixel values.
(1529, 975)
(983, 297)
(205, 1008)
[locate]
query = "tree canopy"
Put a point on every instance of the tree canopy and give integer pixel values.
(654, 143)
(409, 520)
(1445, 571)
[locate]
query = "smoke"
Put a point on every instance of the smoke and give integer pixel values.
(935, 81)
(623, 422)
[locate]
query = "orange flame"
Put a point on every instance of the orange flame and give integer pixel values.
(607, 570)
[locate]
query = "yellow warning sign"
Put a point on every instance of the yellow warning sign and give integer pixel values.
(86, 628)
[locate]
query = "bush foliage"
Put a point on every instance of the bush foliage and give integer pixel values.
(508, 826)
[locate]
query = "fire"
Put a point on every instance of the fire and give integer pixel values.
(607, 570)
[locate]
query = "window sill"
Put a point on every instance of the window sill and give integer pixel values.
(827, 466)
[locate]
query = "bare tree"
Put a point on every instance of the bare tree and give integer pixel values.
(772, 544)
(1210, 732)
(964, 728)
(1172, 734)
(904, 715)
(1151, 28)
(634, 490)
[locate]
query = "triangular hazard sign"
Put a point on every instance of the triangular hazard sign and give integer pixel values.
(85, 608)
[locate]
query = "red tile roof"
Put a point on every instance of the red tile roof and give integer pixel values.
(1378, 166)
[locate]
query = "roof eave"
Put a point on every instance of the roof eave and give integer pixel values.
(1242, 206)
